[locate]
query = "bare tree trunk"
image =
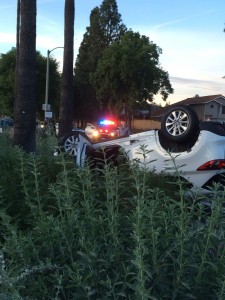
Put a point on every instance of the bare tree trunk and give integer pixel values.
(25, 102)
(66, 99)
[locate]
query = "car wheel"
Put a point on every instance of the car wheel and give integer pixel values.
(70, 143)
(179, 123)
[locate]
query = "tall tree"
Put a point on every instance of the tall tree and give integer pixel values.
(129, 72)
(67, 89)
(25, 106)
(105, 28)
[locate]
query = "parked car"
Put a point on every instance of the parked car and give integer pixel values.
(194, 150)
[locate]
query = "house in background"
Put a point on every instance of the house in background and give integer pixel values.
(208, 108)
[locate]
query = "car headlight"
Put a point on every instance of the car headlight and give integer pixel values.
(95, 133)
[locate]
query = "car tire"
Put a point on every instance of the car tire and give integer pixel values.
(179, 123)
(70, 142)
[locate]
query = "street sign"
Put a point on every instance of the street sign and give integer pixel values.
(48, 114)
(46, 107)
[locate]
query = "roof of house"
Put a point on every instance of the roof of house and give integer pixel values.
(199, 100)
(189, 101)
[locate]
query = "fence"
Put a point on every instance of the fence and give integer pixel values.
(143, 125)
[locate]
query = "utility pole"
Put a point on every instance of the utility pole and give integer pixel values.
(46, 105)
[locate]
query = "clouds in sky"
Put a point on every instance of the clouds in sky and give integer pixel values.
(176, 21)
(188, 87)
(200, 84)
(194, 59)
(7, 38)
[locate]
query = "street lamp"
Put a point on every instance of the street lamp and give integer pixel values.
(47, 79)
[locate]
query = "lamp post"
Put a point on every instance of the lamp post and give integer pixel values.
(47, 79)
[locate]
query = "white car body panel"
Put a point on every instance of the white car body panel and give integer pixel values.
(209, 146)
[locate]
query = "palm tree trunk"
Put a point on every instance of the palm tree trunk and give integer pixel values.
(17, 39)
(25, 100)
(66, 99)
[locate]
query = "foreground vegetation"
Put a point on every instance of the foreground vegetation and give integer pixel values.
(114, 233)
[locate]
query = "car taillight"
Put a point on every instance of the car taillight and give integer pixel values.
(216, 164)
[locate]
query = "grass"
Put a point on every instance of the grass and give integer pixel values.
(110, 233)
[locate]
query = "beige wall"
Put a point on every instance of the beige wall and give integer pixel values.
(145, 125)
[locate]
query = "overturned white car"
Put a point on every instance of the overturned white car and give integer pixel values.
(183, 144)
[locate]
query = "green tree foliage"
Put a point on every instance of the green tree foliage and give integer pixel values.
(105, 28)
(129, 72)
(7, 83)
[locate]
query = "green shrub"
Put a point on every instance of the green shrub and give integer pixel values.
(109, 233)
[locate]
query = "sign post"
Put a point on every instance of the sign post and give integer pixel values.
(48, 114)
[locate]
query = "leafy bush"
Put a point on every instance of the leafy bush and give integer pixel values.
(107, 233)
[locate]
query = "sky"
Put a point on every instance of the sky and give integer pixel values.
(189, 32)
